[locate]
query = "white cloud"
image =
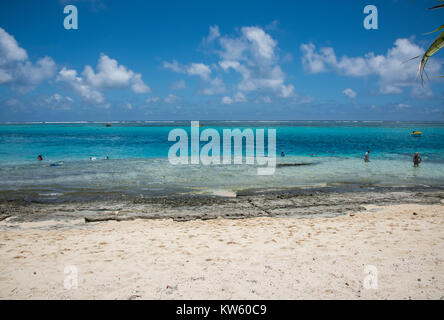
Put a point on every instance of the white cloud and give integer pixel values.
(54, 98)
(192, 69)
(212, 35)
(253, 55)
(152, 99)
(112, 75)
(199, 69)
(240, 97)
(19, 72)
(263, 45)
(350, 93)
(174, 66)
(85, 90)
(171, 98)
(57, 102)
(109, 75)
(227, 100)
(10, 50)
(402, 106)
(392, 69)
(216, 86)
(138, 85)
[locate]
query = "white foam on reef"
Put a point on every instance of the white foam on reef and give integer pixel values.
(224, 193)
(51, 194)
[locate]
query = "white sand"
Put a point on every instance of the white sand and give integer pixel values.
(258, 258)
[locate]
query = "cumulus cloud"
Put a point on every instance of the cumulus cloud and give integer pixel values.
(17, 71)
(109, 75)
(174, 66)
(112, 75)
(238, 97)
(392, 70)
(77, 83)
(10, 50)
(252, 53)
(199, 69)
(193, 69)
(350, 93)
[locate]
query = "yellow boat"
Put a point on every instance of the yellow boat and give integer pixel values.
(416, 133)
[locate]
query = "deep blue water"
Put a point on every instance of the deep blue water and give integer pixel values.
(23, 142)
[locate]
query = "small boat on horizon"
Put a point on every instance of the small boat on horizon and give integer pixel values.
(416, 133)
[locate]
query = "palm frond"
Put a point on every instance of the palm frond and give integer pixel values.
(442, 27)
(438, 6)
(434, 47)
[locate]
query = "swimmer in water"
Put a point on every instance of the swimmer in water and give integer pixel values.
(416, 159)
(282, 153)
(40, 157)
(367, 156)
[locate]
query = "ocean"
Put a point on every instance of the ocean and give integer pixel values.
(332, 153)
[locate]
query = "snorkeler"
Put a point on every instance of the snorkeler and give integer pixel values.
(367, 156)
(416, 159)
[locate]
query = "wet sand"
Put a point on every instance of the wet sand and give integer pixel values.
(265, 257)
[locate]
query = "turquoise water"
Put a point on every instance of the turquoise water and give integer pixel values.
(138, 158)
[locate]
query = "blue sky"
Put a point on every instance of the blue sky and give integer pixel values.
(266, 60)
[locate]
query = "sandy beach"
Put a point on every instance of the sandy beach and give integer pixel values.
(251, 258)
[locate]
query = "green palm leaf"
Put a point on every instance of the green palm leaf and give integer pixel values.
(434, 47)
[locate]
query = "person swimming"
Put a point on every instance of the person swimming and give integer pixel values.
(57, 164)
(282, 153)
(40, 157)
(416, 159)
(367, 156)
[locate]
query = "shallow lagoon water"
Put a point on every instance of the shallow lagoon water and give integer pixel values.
(139, 165)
